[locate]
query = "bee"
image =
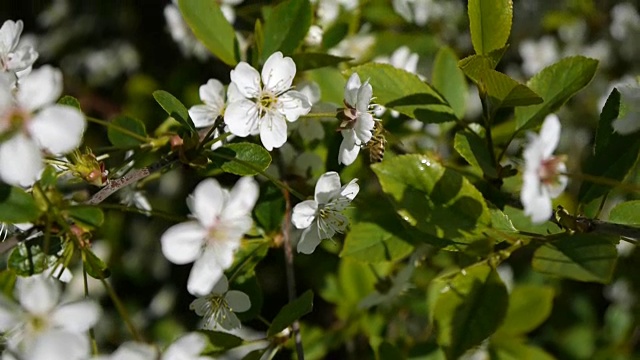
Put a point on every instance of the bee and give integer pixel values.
(377, 143)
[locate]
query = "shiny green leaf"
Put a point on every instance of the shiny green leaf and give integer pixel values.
(95, 267)
(174, 108)
(450, 80)
(627, 213)
(244, 159)
(474, 150)
(502, 91)
(121, 125)
(490, 24)
(529, 306)
(87, 215)
(285, 27)
(370, 243)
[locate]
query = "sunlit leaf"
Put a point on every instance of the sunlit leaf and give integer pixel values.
(529, 306)
(368, 242)
(450, 80)
(242, 159)
(490, 24)
(627, 213)
(474, 150)
(285, 27)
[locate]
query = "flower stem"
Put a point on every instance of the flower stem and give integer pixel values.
(119, 129)
(604, 181)
(121, 310)
(92, 335)
(291, 280)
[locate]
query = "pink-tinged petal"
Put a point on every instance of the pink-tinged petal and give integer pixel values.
(76, 317)
(273, 130)
(182, 243)
(41, 87)
(20, 161)
(350, 190)
(550, 134)
(238, 301)
(242, 117)
(59, 345)
(203, 115)
(247, 80)
(364, 127)
(9, 314)
(38, 294)
(348, 151)
(278, 73)
(10, 36)
(309, 240)
(293, 104)
(207, 202)
(204, 274)
(58, 128)
(304, 213)
(327, 187)
(187, 347)
(364, 97)
(212, 93)
(242, 199)
(221, 286)
(351, 90)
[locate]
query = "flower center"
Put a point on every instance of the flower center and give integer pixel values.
(37, 324)
(216, 310)
(549, 170)
(14, 120)
(266, 102)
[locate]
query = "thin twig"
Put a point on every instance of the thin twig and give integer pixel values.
(291, 281)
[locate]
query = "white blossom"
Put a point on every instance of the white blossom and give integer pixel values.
(322, 217)
(13, 58)
(182, 35)
(542, 178)
(629, 120)
(217, 309)
(357, 128)
(212, 95)
(40, 328)
(536, 55)
(32, 122)
(266, 101)
(187, 347)
(211, 239)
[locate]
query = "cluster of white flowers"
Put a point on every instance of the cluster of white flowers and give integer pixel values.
(32, 125)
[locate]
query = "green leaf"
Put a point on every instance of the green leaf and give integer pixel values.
(436, 201)
(119, 138)
(510, 348)
(370, 243)
(17, 206)
(27, 260)
(627, 213)
(7, 281)
(210, 26)
(310, 60)
(291, 312)
(405, 92)
(469, 309)
(450, 81)
(244, 159)
(614, 154)
(474, 149)
(529, 306)
(220, 342)
(247, 258)
(69, 101)
(95, 267)
(503, 91)
(556, 84)
(87, 215)
(174, 107)
(286, 26)
(474, 65)
(270, 208)
(583, 257)
(490, 24)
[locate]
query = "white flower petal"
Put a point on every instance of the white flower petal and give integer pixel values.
(363, 128)
(229, 321)
(327, 187)
(182, 243)
(304, 213)
(293, 104)
(351, 90)
(233, 94)
(246, 79)
(535, 199)
(348, 151)
(550, 134)
(242, 117)
(207, 201)
(365, 92)
(273, 130)
(131, 350)
(221, 286)
(350, 190)
(58, 128)
(9, 314)
(10, 36)
(59, 345)
(20, 161)
(242, 199)
(309, 240)
(38, 294)
(187, 347)
(22, 59)
(204, 274)
(212, 93)
(203, 115)
(221, 251)
(41, 87)
(238, 301)
(278, 73)
(77, 317)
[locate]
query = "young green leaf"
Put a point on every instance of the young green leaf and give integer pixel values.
(503, 91)
(583, 257)
(69, 101)
(174, 108)
(405, 92)
(95, 267)
(17, 206)
(87, 215)
(291, 312)
(370, 243)
(450, 81)
(244, 159)
(626, 213)
(122, 125)
(434, 200)
(474, 149)
(474, 65)
(490, 24)
(614, 154)
(555, 84)
(210, 26)
(469, 309)
(529, 306)
(286, 26)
